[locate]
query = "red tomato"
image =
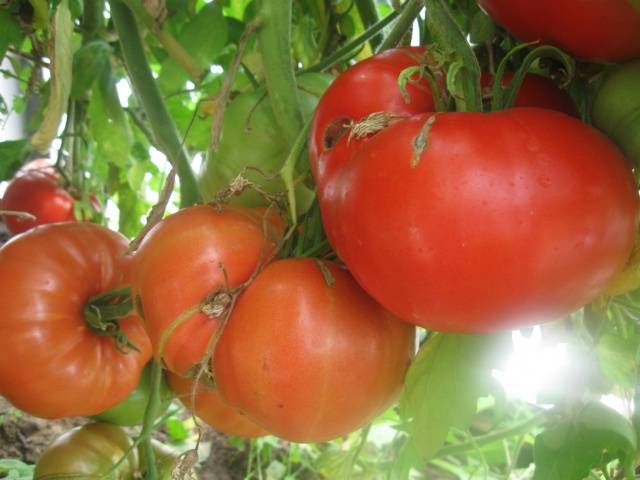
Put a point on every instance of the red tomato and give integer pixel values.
(52, 364)
(38, 193)
(535, 91)
(311, 358)
(181, 262)
(594, 30)
(505, 219)
(212, 409)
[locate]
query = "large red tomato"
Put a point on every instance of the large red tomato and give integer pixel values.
(212, 409)
(52, 364)
(594, 30)
(185, 259)
(38, 193)
(474, 222)
(308, 354)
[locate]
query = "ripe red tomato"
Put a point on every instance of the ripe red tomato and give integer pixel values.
(52, 364)
(594, 30)
(89, 451)
(311, 358)
(181, 262)
(505, 219)
(212, 409)
(38, 193)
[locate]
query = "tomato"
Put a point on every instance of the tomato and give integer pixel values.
(213, 410)
(502, 220)
(38, 193)
(616, 108)
(52, 364)
(535, 91)
(309, 355)
(130, 411)
(184, 259)
(89, 451)
(594, 30)
(250, 138)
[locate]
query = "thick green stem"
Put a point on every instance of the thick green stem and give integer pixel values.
(463, 76)
(515, 430)
(274, 41)
(170, 44)
(92, 19)
(369, 15)
(150, 415)
(288, 169)
(162, 125)
(347, 49)
(410, 11)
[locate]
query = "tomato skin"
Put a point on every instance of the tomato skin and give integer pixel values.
(130, 411)
(179, 264)
(307, 361)
(37, 193)
(507, 219)
(51, 364)
(88, 452)
(595, 30)
(213, 410)
(616, 108)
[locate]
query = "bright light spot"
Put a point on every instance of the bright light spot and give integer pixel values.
(46, 73)
(190, 85)
(124, 91)
(112, 214)
(3, 187)
(620, 405)
(216, 69)
(382, 434)
(197, 162)
(532, 366)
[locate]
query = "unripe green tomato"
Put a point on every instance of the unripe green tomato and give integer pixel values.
(251, 138)
(616, 108)
(130, 411)
(87, 452)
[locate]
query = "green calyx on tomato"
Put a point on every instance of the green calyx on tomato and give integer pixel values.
(616, 108)
(130, 411)
(251, 145)
(89, 451)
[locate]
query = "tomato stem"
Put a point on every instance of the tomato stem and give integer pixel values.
(288, 169)
(410, 11)
(347, 50)
(369, 14)
(103, 312)
(274, 42)
(162, 125)
(150, 415)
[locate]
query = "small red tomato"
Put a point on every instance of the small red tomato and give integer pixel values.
(39, 194)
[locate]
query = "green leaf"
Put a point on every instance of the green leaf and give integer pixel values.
(60, 79)
(13, 153)
(204, 38)
(617, 358)
(176, 429)
(10, 31)
(109, 125)
(41, 12)
(442, 389)
(482, 28)
(592, 437)
(89, 63)
(15, 470)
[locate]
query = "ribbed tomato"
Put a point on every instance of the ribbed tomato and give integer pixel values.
(209, 406)
(184, 261)
(52, 363)
(308, 355)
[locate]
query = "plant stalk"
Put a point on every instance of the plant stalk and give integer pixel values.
(410, 11)
(274, 41)
(163, 127)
